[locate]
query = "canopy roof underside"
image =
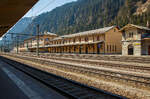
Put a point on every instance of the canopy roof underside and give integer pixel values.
(11, 11)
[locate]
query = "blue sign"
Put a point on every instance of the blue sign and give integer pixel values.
(99, 45)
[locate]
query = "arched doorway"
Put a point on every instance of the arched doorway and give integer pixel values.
(130, 49)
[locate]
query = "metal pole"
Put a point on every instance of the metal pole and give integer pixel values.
(37, 50)
(4, 43)
(13, 44)
(17, 44)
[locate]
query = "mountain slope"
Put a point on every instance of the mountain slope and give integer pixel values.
(21, 25)
(129, 13)
(91, 14)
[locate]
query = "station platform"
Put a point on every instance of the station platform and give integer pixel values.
(16, 85)
(8, 89)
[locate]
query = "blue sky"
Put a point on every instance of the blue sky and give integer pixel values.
(45, 5)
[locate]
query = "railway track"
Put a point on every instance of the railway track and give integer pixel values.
(103, 57)
(103, 64)
(137, 81)
(97, 62)
(126, 78)
(69, 88)
(97, 57)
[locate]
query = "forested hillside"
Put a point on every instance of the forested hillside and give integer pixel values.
(130, 13)
(91, 14)
(21, 25)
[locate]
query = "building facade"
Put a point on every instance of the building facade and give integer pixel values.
(31, 43)
(135, 40)
(100, 41)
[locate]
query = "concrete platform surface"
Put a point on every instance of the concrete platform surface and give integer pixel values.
(8, 89)
(17, 85)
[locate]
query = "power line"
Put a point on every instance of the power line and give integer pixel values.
(46, 6)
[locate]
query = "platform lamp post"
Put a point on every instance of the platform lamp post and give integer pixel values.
(37, 49)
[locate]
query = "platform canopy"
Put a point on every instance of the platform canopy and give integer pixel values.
(11, 11)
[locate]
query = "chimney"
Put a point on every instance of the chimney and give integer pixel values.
(148, 25)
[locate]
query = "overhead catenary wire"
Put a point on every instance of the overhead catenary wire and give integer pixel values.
(34, 14)
(49, 3)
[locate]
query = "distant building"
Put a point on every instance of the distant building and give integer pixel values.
(31, 43)
(100, 41)
(135, 40)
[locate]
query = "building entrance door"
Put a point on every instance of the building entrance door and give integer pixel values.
(98, 48)
(86, 49)
(130, 50)
(149, 50)
(80, 49)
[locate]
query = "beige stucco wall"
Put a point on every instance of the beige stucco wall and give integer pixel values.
(113, 38)
(135, 41)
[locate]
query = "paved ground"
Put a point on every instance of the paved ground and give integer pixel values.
(16, 85)
(8, 89)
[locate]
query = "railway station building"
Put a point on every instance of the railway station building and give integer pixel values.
(100, 41)
(135, 40)
(30, 44)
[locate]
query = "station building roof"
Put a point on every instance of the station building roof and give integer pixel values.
(49, 33)
(41, 35)
(91, 32)
(134, 26)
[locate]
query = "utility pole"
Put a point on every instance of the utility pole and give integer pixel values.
(4, 43)
(13, 42)
(17, 44)
(37, 50)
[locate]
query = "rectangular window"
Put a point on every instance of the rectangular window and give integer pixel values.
(107, 48)
(74, 40)
(130, 35)
(115, 48)
(98, 38)
(93, 39)
(86, 39)
(79, 39)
